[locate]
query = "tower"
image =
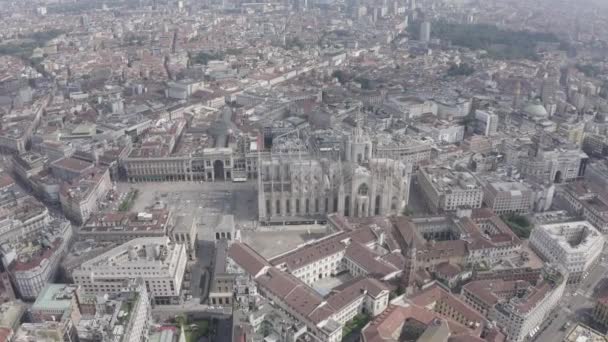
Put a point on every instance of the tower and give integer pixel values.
(408, 278)
(359, 145)
(516, 94)
(425, 31)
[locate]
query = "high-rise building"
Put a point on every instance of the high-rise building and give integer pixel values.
(425, 31)
(486, 123)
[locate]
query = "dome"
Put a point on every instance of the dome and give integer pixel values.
(536, 109)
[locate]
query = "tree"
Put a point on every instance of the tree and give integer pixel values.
(341, 76)
(365, 83)
(463, 69)
(499, 43)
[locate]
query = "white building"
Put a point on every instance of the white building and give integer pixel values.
(33, 261)
(486, 122)
(573, 245)
(521, 315)
(160, 262)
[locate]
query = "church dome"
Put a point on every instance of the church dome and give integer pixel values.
(536, 109)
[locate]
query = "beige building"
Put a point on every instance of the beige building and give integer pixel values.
(447, 190)
(508, 197)
(81, 196)
(160, 262)
(520, 313)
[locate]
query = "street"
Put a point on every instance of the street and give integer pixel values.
(576, 306)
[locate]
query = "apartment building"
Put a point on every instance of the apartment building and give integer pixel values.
(517, 307)
(35, 259)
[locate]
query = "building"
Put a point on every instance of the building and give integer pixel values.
(402, 147)
(584, 199)
(28, 164)
(416, 323)
(81, 196)
(46, 331)
(185, 231)
(508, 197)
(581, 332)
(25, 218)
(211, 164)
(69, 168)
(7, 292)
(324, 317)
(600, 311)
(574, 245)
(160, 262)
(447, 190)
(121, 227)
(448, 305)
(11, 316)
(486, 123)
(465, 238)
(294, 189)
(56, 302)
(425, 31)
(56, 312)
(33, 261)
(221, 291)
(595, 145)
(553, 164)
(124, 316)
(517, 307)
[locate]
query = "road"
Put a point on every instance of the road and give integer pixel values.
(576, 306)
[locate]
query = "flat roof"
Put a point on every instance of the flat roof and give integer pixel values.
(55, 297)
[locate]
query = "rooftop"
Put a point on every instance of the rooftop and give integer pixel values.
(55, 297)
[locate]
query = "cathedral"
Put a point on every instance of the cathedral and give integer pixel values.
(297, 187)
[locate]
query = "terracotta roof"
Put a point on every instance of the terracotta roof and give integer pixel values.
(448, 270)
(72, 164)
(5, 333)
(389, 324)
(367, 260)
(347, 293)
(491, 291)
(247, 258)
(396, 259)
(37, 258)
(308, 254)
(436, 293)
